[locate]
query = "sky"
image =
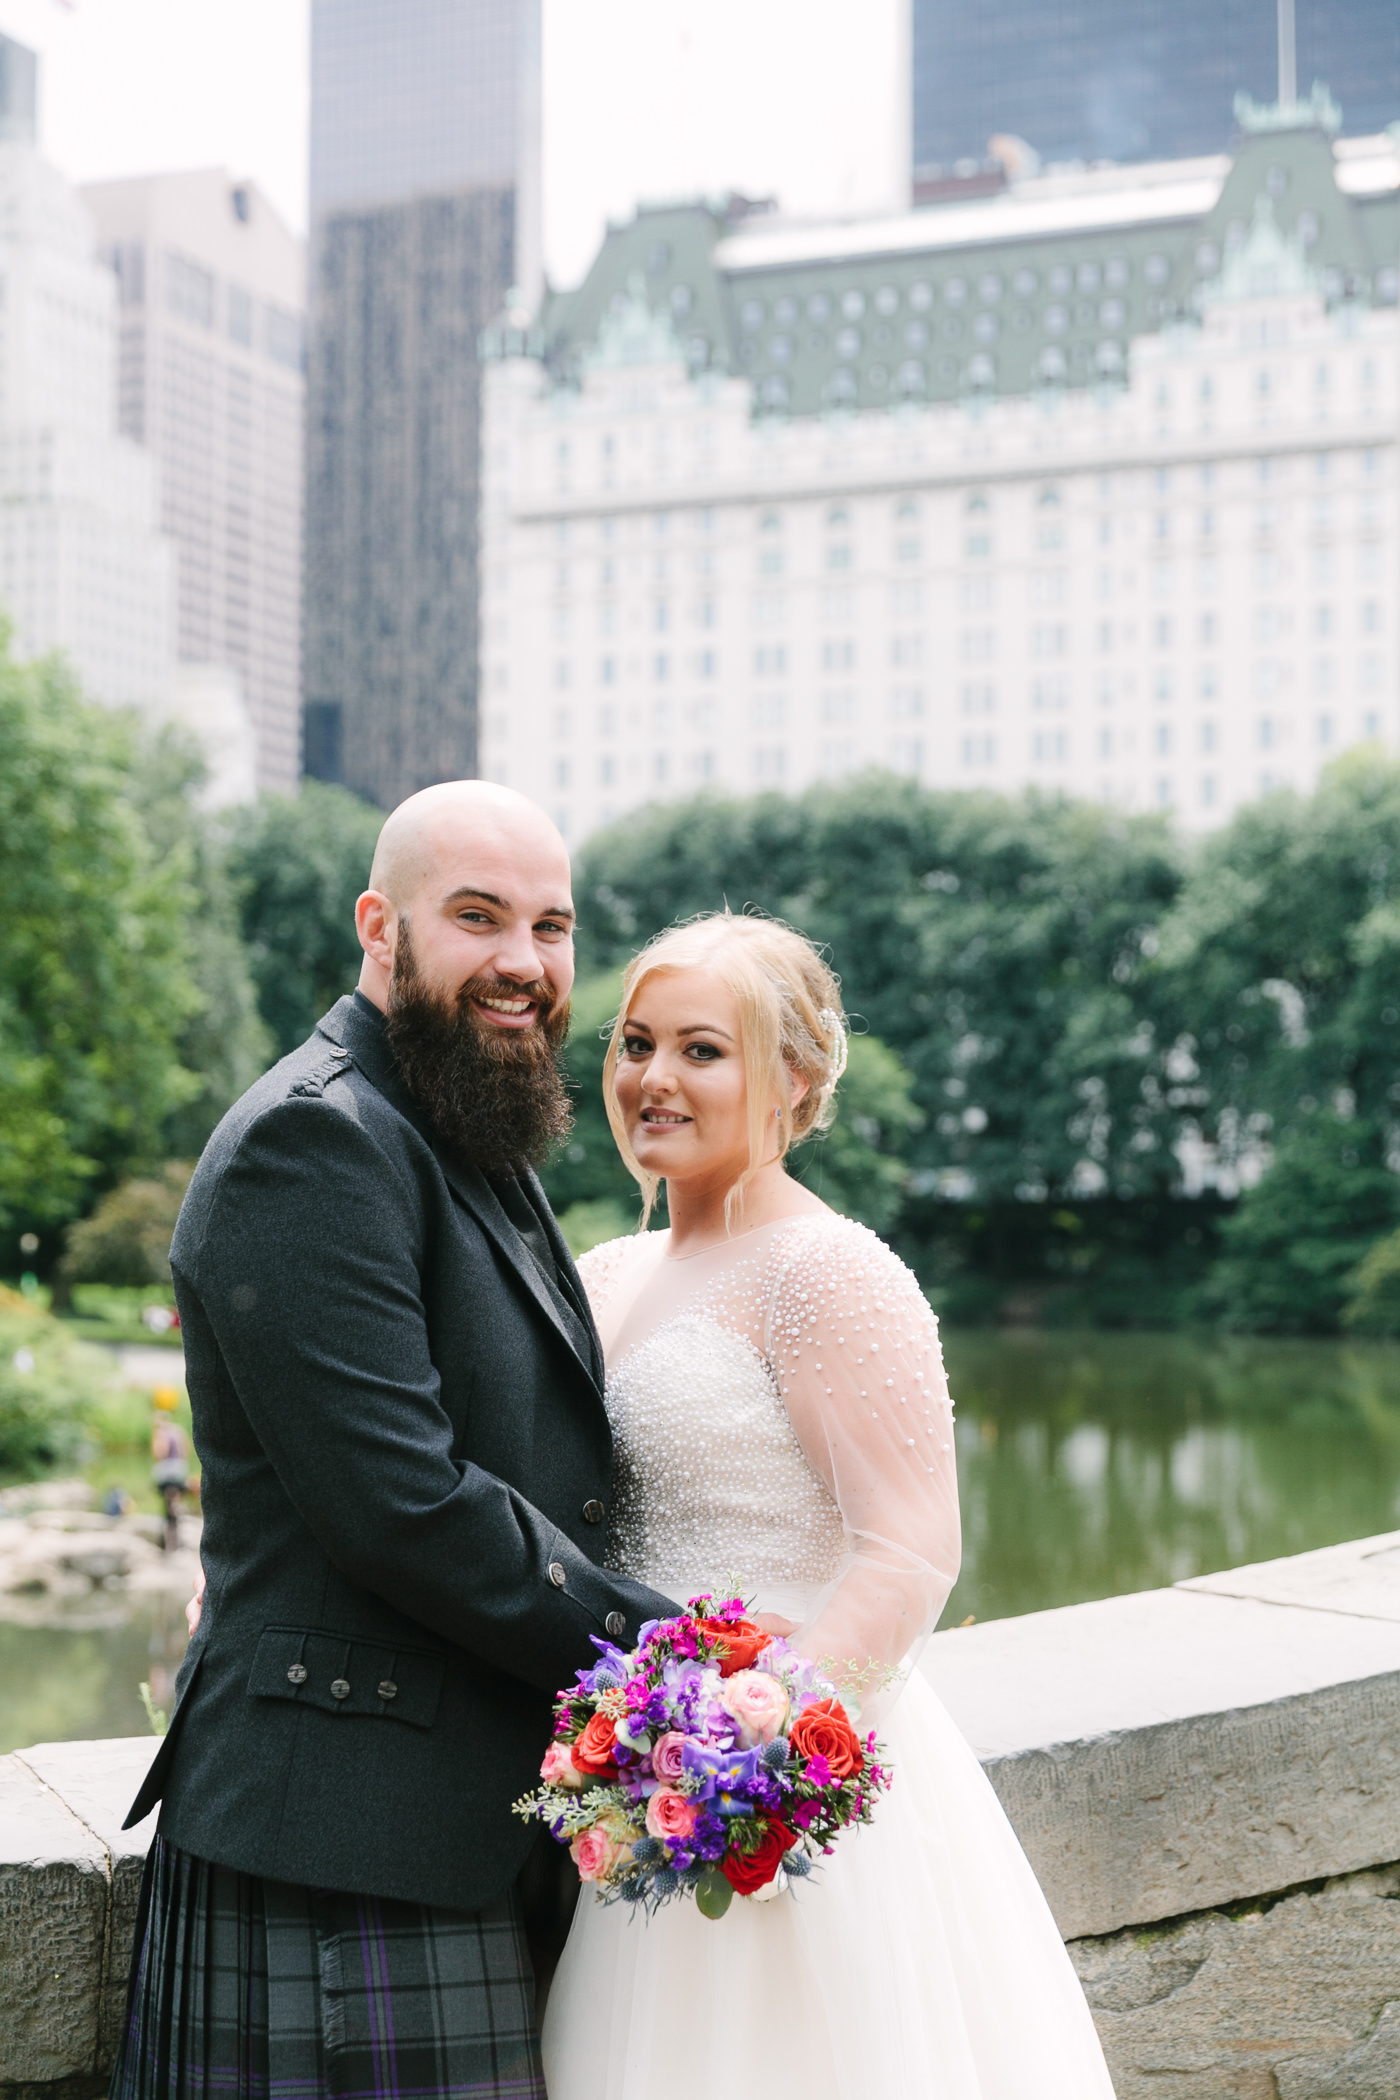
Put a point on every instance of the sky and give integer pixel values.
(642, 99)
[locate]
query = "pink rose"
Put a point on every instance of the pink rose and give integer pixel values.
(669, 1814)
(559, 1768)
(668, 1755)
(758, 1703)
(595, 1854)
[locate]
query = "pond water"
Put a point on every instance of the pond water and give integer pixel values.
(1090, 1464)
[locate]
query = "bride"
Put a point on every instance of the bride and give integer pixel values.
(779, 1410)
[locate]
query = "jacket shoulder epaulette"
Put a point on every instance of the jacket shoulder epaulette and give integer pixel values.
(332, 1064)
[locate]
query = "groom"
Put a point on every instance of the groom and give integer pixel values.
(397, 1399)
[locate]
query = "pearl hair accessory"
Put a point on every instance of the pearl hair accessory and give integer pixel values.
(839, 1050)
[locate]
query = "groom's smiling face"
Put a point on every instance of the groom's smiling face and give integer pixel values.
(483, 877)
(467, 929)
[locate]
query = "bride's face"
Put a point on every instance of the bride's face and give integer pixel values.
(680, 1079)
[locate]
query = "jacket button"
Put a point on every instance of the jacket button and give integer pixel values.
(388, 1690)
(297, 1674)
(340, 1689)
(557, 1574)
(593, 1512)
(616, 1625)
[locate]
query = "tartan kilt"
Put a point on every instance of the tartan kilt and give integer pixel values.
(260, 1990)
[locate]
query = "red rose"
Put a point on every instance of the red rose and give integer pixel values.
(822, 1730)
(748, 1871)
(743, 1643)
(593, 1752)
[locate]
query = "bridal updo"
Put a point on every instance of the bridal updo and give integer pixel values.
(790, 1012)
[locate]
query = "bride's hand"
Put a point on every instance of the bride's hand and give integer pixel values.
(772, 1622)
(194, 1610)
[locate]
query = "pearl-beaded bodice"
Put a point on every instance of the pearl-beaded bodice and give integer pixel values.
(752, 1407)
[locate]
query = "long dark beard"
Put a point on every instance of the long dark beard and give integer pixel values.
(496, 1099)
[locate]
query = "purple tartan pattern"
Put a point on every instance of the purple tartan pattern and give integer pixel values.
(259, 1990)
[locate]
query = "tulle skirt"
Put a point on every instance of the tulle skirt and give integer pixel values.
(919, 1962)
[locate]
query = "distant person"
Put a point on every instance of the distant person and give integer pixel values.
(397, 1395)
(170, 1470)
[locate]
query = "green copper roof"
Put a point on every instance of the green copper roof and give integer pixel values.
(924, 316)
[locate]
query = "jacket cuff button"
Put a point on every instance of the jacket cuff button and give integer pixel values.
(616, 1625)
(388, 1690)
(593, 1512)
(557, 1574)
(340, 1688)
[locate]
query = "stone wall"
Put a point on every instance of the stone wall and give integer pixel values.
(1206, 1779)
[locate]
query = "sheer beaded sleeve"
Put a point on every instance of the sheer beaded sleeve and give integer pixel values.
(855, 1352)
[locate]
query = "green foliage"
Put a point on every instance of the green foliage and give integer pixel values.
(224, 1042)
(95, 985)
(48, 1384)
(1279, 962)
(587, 1170)
(586, 1225)
(298, 867)
(1373, 1290)
(858, 1166)
(1300, 1232)
(999, 948)
(126, 1239)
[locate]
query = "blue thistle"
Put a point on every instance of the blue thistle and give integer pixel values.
(646, 1850)
(633, 1890)
(665, 1881)
(775, 1754)
(797, 1864)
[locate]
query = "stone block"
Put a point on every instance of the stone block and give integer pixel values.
(53, 1929)
(1294, 1998)
(1162, 1753)
(98, 1783)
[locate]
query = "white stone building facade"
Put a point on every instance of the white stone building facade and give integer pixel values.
(1155, 563)
(84, 568)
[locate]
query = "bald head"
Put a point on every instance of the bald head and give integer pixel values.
(439, 823)
(482, 876)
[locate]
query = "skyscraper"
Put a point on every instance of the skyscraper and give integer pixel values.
(1131, 80)
(212, 290)
(424, 200)
(83, 566)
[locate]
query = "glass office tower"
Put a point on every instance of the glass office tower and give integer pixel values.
(1131, 79)
(424, 210)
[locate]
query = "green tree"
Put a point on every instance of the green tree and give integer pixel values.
(1299, 1235)
(1001, 948)
(95, 982)
(1279, 960)
(858, 1164)
(224, 1042)
(298, 867)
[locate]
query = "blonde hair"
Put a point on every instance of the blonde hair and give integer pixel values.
(791, 1025)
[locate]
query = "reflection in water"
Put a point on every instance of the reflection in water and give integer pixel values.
(1091, 1464)
(66, 1683)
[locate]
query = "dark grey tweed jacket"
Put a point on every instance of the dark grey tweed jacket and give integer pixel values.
(405, 1461)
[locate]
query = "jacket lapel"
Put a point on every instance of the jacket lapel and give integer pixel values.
(351, 1029)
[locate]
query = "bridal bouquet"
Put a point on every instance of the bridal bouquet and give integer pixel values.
(712, 1760)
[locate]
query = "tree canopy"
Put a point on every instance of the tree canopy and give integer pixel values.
(96, 986)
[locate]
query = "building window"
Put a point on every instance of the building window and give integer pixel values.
(837, 708)
(1323, 730)
(770, 661)
(979, 699)
(906, 651)
(607, 670)
(661, 667)
(769, 762)
(979, 750)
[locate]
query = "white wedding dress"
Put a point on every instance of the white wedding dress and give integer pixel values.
(780, 1416)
